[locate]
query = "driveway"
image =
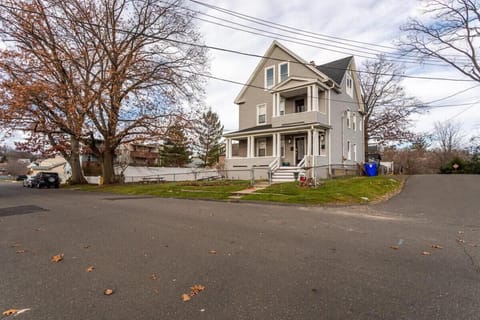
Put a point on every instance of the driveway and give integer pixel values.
(255, 261)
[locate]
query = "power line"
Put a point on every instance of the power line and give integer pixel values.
(251, 54)
(348, 42)
(423, 105)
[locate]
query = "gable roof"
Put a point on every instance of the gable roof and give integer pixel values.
(276, 44)
(336, 69)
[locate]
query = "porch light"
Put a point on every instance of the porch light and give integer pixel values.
(289, 140)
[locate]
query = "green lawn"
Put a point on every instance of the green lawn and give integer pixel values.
(188, 189)
(349, 190)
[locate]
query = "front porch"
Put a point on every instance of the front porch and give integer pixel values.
(294, 149)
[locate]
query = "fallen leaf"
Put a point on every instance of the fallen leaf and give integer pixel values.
(57, 258)
(212, 251)
(86, 246)
(436, 246)
(90, 269)
(154, 276)
(108, 292)
(9, 312)
(15, 245)
(185, 297)
(22, 251)
(460, 241)
(395, 247)
(426, 253)
(196, 289)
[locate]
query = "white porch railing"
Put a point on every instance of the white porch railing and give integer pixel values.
(272, 167)
(301, 164)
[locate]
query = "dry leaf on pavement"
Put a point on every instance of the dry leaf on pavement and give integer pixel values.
(90, 269)
(108, 292)
(154, 276)
(22, 251)
(395, 247)
(460, 241)
(9, 312)
(196, 289)
(426, 253)
(212, 251)
(57, 258)
(436, 246)
(185, 297)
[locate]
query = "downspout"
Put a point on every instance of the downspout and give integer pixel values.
(330, 131)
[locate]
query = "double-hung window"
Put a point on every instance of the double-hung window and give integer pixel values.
(354, 122)
(282, 71)
(349, 114)
(322, 143)
(261, 114)
(261, 147)
(349, 150)
(269, 77)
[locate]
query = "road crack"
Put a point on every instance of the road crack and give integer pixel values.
(476, 268)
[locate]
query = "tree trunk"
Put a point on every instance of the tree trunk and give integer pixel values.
(74, 161)
(108, 171)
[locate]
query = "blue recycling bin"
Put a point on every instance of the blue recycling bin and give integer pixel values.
(371, 169)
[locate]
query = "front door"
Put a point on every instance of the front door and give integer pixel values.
(299, 149)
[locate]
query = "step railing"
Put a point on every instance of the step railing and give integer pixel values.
(272, 167)
(301, 164)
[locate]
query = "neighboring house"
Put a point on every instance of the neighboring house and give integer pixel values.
(57, 164)
(136, 154)
(295, 115)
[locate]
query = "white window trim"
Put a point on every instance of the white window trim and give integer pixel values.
(349, 150)
(281, 106)
(349, 88)
(349, 122)
(280, 69)
(354, 122)
(322, 154)
(273, 78)
(355, 152)
(360, 123)
(257, 149)
(258, 113)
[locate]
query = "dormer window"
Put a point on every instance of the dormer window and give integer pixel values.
(349, 84)
(283, 72)
(269, 77)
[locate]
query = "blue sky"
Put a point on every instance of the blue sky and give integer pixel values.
(374, 22)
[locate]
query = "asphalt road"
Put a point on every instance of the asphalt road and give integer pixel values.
(269, 261)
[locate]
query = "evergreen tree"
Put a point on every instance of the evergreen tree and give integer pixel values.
(210, 132)
(175, 151)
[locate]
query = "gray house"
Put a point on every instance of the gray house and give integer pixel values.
(296, 117)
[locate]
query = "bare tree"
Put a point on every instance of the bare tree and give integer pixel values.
(387, 106)
(449, 137)
(121, 67)
(447, 31)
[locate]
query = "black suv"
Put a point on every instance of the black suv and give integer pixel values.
(46, 179)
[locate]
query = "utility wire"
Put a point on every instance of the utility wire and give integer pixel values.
(311, 34)
(252, 54)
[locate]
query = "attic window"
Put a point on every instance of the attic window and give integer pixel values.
(349, 84)
(283, 71)
(269, 77)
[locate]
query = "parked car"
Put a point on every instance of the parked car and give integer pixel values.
(21, 177)
(28, 182)
(46, 179)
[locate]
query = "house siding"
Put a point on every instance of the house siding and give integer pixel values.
(254, 96)
(340, 103)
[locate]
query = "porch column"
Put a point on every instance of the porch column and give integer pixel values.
(228, 149)
(274, 145)
(274, 105)
(249, 147)
(309, 98)
(315, 97)
(252, 147)
(279, 145)
(309, 143)
(316, 148)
